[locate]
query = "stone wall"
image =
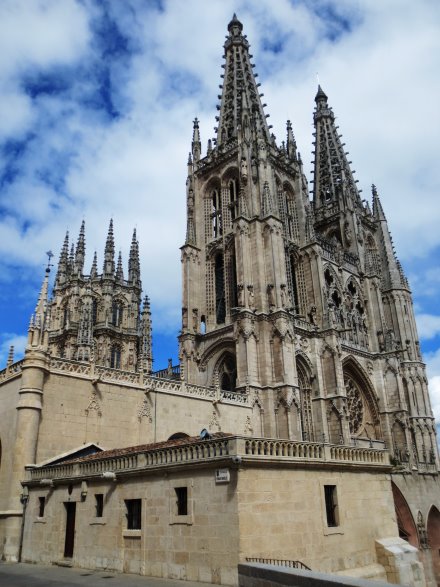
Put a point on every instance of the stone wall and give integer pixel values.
(283, 516)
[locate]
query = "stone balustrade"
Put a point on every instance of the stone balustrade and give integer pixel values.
(238, 449)
(11, 370)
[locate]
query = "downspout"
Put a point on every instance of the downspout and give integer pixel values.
(24, 498)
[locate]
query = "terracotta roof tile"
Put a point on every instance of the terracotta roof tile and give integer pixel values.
(130, 450)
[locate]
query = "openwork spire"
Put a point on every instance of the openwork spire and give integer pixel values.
(119, 269)
(94, 269)
(80, 251)
(134, 267)
(109, 252)
(334, 183)
(63, 263)
(240, 89)
(394, 274)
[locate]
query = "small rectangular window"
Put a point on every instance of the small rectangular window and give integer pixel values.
(41, 506)
(182, 500)
(99, 504)
(331, 505)
(134, 513)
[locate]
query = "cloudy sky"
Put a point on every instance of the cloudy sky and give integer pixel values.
(97, 101)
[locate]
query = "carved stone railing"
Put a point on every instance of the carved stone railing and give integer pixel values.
(156, 457)
(302, 324)
(284, 448)
(351, 454)
(427, 467)
(171, 372)
(69, 366)
(236, 448)
(11, 371)
(117, 375)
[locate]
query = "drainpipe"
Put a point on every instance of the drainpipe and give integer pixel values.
(24, 498)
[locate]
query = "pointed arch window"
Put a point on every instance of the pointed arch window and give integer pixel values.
(94, 312)
(117, 311)
(228, 373)
(115, 357)
(233, 198)
(362, 408)
(220, 305)
(305, 390)
(216, 214)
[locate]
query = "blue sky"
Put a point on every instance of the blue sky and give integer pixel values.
(97, 101)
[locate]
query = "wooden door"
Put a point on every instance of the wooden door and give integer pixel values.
(70, 528)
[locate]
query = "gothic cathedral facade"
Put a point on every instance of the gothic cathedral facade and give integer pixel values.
(297, 323)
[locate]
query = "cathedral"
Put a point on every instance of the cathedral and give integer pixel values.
(297, 424)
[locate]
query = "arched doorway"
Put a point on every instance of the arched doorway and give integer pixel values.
(405, 520)
(433, 530)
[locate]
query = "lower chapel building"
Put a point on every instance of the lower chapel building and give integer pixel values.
(298, 353)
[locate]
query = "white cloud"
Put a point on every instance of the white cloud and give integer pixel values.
(80, 162)
(428, 325)
(433, 369)
(6, 341)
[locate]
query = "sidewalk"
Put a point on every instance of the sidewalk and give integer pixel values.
(27, 575)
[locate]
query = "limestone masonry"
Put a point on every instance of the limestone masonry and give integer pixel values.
(298, 355)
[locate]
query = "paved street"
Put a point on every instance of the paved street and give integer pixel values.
(25, 575)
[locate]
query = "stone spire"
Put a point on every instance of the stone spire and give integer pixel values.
(38, 322)
(291, 143)
(63, 263)
(196, 145)
(334, 183)
(80, 251)
(240, 88)
(119, 269)
(109, 253)
(10, 356)
(394, 275)
(134, 268)
(94, 269)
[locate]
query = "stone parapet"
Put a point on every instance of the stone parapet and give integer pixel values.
(236, 450)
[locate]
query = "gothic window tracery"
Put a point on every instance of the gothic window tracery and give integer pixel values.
(117, 312)
(220, 306)
(216, 213)
(115, 357)
(233, 198)
(227, 372)
(305, 390)
(362, 410)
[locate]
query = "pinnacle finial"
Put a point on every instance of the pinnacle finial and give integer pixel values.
(63, 261)
(196, 145)
(109, 252)
(320, 95)
(119, 269)
(291, 143)
(377, 205)
(94, 269)
(235, 26)
(80, 250)
(134, 271)
(10, 356)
